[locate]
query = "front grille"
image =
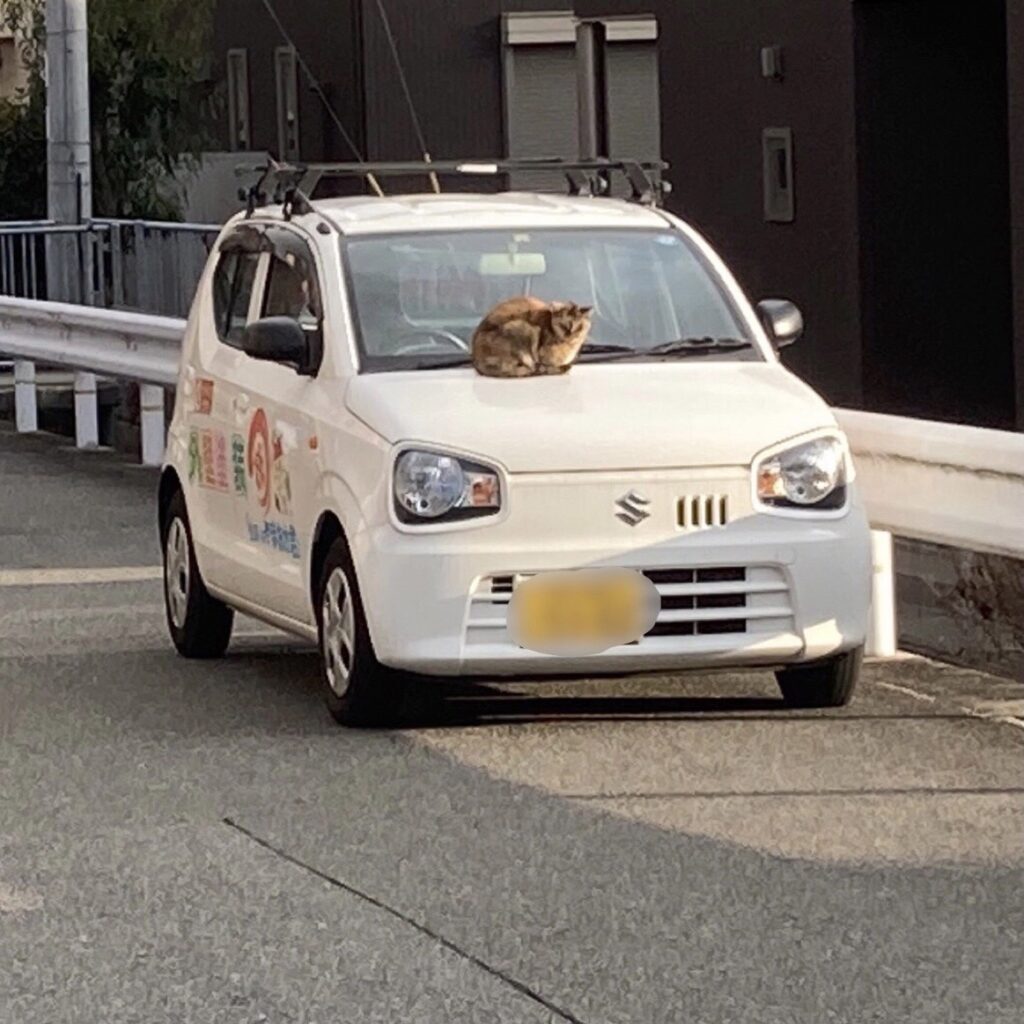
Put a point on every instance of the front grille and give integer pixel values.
(703, 511)
(696, 602)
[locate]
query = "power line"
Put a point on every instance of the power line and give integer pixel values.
(408, 94)
(317, 88)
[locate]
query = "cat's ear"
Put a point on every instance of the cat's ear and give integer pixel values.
(585, 310)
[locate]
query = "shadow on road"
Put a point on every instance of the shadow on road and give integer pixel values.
(458, 704)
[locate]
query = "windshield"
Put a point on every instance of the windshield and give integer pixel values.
(418, 298)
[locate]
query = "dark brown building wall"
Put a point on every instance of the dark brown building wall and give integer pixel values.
(934, 210)
(326, 33)
(715, 105)
(451, 54)
(1015, 68)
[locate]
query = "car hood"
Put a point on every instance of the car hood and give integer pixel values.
(606, 416)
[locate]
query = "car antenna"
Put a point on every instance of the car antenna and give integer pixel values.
(434, 180)
(318, 89)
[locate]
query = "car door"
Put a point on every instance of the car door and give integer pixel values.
(210, 392)
(278, 435)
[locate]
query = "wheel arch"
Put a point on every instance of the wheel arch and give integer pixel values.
(170, 484)
(328, 529)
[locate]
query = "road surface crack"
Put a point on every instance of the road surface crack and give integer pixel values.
(495, 972)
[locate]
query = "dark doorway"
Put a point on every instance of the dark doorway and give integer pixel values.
(934, 209)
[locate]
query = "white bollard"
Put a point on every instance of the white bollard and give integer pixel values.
(882, 634)
(26, 415)
(87, 424)
(152, 423)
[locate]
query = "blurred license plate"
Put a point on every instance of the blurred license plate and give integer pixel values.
(584, 611)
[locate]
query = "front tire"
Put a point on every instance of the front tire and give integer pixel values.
(828, 684)
(199, 624)
(359, 690)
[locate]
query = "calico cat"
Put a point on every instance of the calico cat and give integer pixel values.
(526, 337)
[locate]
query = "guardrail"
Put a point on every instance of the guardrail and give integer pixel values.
(953, 485)
(940, 482)
(138, 347)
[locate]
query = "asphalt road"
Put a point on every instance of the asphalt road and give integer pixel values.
(184, 842)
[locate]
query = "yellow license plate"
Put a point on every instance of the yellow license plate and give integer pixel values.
(584, 611)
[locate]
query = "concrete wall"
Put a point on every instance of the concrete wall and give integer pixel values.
(961, 606)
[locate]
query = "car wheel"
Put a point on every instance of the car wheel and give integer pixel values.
(199, 624)
(827, 684)
(359, 690)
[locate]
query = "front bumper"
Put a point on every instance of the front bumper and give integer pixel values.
(758, 590)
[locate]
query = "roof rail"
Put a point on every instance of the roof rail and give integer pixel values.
(294, 184)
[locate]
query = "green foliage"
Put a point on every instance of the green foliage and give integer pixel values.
(23, 120)
(151, 110)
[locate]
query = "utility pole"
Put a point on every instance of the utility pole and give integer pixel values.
(592, 92)
(68, 145)
(69, 258)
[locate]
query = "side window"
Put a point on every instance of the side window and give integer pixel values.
(232, 292)
(292, 288)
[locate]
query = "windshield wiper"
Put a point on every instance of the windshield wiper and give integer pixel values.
(604, 352)
(682, 346)
(392, 365)
(699, 345)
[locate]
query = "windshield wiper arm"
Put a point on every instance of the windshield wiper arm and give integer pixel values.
(682, 346)
(397, 365)
(698, 345)
(591, 353)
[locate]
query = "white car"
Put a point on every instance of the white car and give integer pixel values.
(337, 468)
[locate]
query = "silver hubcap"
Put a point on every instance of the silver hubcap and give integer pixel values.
(339, 632)
(176, 573)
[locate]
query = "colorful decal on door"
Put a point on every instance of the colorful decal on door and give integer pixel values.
(274, 535)
(258, 458)
(238, 464)
(204, 396)
(208, 459)
(282, 484)
(213, 448)
(194, 458)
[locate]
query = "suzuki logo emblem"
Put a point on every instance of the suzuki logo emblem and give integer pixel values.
(632, 508)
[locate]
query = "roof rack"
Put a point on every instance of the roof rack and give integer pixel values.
(294, 184)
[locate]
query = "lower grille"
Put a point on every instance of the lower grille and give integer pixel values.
(671, 581)
(695, 602)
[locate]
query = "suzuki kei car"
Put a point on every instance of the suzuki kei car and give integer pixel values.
(337, 468)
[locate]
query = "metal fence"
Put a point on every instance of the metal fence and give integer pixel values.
(146, 266)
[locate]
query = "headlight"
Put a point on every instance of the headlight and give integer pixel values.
(432, 487)
(811, 475)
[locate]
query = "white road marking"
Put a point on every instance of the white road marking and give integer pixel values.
(18, 901)
(1003, 712)
(78, 577)
(906, 691)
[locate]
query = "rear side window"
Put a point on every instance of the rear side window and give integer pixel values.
(232, 292)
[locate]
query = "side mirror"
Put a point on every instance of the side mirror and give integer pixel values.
(782, 320)
(277, 339)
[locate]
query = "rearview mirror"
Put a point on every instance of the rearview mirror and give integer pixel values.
(782, 320)
(277, 339)
(513, 264)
